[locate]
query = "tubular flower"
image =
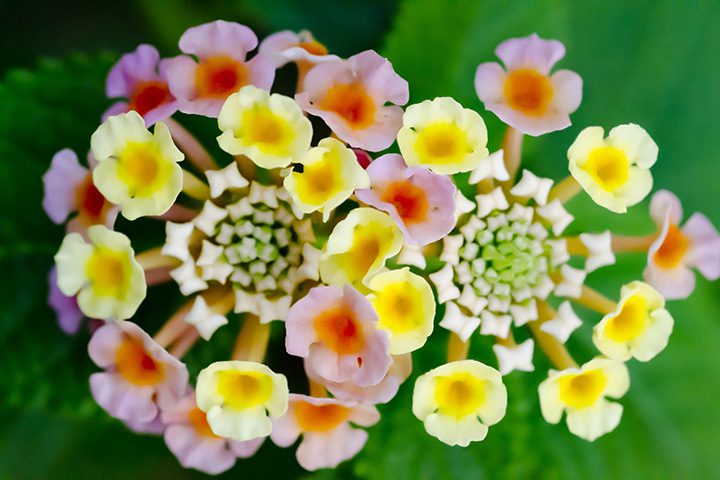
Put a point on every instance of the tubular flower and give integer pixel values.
(459, 400)
(581, 393)
(302, 48)
(696, 244)
(443, 136)
(238, 397)
(421, 202)
(136, 170)
(640, 326)
(139, 377)
(324, 423)
(221, 69)
(351, 96)
(330, 175)
(269, 129)
(524, 94)
(190, 438)
(358, 247)
(614, 171)
(336, 329)
(103, 273)
(140, 79)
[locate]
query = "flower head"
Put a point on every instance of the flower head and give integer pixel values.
(287, 46)
(351, 96)
(136, 170)
(139, 374)
(103, 273)
(614, 171)
(581, 393)
(421, 202)
(324, 424)
(524, 94)
(238, 397)
(640, 326)
(336, 329)
(459, 400)
(140, 79)
(269, 129)
(443, 136)
(221, 69)
(696, 244)
(329, 176)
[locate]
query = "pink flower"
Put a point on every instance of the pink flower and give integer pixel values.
(140, 77)
(696, 244)
(421, 202)
(139, 374)
(524, 94)
(190, 439)
(69, 316)
(350, 96)
(287, 46)
(221, 69)
(335, 329)
(324, 423)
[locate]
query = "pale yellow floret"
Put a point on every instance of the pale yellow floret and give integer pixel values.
(330, 174)
(639, 328)
(240, 397)
(271, 130)
(405, 306)
(103, 273)
(443, 136)
(136, 169)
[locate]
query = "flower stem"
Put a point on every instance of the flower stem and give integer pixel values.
(184, 343)
(556, 351)
(178, 214)
(246, 167)
(252, 341)
(317, 390)
(512, 153)
(642, 243)
(595, 300)
(565, 190)
(457, 349)
(194, 187)
(153, 258)
(174, 327)
(157, 276)
(194, 151)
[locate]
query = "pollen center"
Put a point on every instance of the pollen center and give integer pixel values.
(135, 365)
(339, 330)
(630, 322)
(673, 248)
(320, 418)
(89, 199)
(528, 91)
(442, 142)
(242, 390)
(409, 200)
(398, 308)
(318, 182)
(269, 132)
(148, 96)
(609, 167)
(352, 103)
(460, 394)
(106, 271)
(139, 167)
(582, 390)
(220, 76)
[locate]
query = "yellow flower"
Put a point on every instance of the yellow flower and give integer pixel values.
(330, 174)
(136, 169)
(405, 306)
(237, 398)
(581, 393)
(109, 283)
(457, 401)
(271, 130)
(614, 171)
(443, 136)
(358, 247)
(640, 326)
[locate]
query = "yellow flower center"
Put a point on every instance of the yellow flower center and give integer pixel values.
(218, 77)
(338, 329)
(399, 307)
(583, 389)
(459, 394)
(106, 271)
(263, 128)
(140, 168)
(320, 418)
(441, 142)
(609, 167)
(673, 248)
(242, 390)
(409, 200)
(366, 248)
(528, 91)
(630, 322)
(319, 181)
(352, 103)
(136, 365)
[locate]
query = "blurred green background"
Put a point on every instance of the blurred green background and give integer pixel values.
(655, 63)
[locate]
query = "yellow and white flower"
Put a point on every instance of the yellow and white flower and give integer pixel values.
(136, 169)
(238, 397)
(581, 393)
(405, 306)
(614, 171)
(457, 401)
(330, 175)
(104, 275)
(640, 326)
(271, 130)
(443, 136)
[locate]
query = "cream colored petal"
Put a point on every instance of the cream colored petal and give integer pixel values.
(453, 431)
(71, 260)
(595, 421)
(637, 144)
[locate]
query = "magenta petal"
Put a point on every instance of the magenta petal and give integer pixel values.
(138, 66)
(377, 74)
(218, 38)
(327, 450)
(661, 202)
(530, 52)
(489, 82)
(60, 181)
(122, 400)
(68, 314)
(704, 251)
(206, 454)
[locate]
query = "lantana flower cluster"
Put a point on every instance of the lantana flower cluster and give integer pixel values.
(352, 225)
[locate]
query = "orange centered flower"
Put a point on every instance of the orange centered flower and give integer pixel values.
(220, 76)
(148, 96)
(320, 418)
(90, 202)
(198, 419)
(339, 330)
(351, 102)
(313, 47)
(673, 248)
(135, 365)
(528, 91)
(409, 200)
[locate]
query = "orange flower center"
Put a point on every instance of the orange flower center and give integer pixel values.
(528, 91)
(314, 47)
(673, 248)
(89, 200)
(409, 200)
(352, 103)
(339, 330)
(198, 419)
(320, 418)
(220, 76)
(148, 96)
(136, 366)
